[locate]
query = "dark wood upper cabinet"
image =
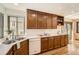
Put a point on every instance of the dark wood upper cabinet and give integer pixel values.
(49, 21)
(54, 21)
(43, 20)
(31, 19)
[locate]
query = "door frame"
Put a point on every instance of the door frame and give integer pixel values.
(71, 28)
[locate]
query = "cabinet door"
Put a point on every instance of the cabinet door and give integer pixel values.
(24, 48)
(66, 40)
(44, 44)
(57, 42)
(54, 21)
(42, 20)
(62, 40)
(49, 21)
(12, 50)
(51, 43)
(31, 19)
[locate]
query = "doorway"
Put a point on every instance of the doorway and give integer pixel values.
(69, 31)
(1, 25)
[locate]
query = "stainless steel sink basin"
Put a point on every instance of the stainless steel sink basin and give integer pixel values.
(44, 35)
(20, 39)
(9, 41)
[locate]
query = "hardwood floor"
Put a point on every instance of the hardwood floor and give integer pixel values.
(71, 49)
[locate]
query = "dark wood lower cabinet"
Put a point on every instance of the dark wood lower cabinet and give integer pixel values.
(47, 43)
(57, 42)
(62, 41)
(12, 50)
(44, 44)
(23, 50)
(50, 43)
(65, 40)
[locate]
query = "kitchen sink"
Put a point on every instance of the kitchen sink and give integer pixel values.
(20, 39)
(8, 41)
(44, 35)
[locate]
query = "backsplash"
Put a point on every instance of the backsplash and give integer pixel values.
(33, 32)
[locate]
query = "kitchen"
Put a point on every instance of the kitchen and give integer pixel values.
(31, 30)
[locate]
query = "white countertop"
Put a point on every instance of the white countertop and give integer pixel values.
(4, 48)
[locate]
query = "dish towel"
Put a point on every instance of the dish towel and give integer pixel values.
(18, 45)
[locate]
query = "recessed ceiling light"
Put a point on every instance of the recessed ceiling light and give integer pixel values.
(72, 11)
(16, 4)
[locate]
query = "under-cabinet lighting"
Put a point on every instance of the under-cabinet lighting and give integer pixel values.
(33, 15)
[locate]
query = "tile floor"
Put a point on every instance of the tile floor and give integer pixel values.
(71, 49)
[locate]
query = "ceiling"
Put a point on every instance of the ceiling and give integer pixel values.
(57, 8)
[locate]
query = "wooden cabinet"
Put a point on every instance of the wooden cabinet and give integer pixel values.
(54, 22)
(51, 43)
(47, 43)
(66, 40)
(42, 20)
(62, 41)
(44, 44)
(57, 42)
(12, 50)
(31, 19)
(34, 47)
(24, 48)
(49, 21)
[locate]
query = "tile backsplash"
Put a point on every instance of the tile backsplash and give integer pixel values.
(33, 32)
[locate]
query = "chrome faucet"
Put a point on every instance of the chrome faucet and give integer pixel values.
(7, 39)
(58, 32)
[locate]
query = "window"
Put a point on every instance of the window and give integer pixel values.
(16, 24)
(1, 25)
(77, 27)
